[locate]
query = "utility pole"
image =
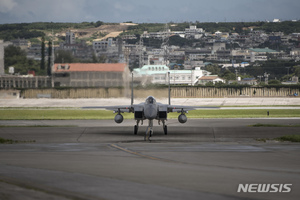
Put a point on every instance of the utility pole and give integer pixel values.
(266, 78)
(52, 61)
(288, 70)
(141, 53)
(165, 44)
(260, 76)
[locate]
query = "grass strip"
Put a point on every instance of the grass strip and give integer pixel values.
(291, 138)
(9, 141)
(274, 125)
(37, 126)
(59, 114)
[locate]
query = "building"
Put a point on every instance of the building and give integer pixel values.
(158, 74)
(79, 50)
(22, 43)
(295, 80)
(90, 74)
(212, 78)
(248, 81)
(70, 37)
(27, 81)
(35, 52)
(103, 45)
(258, 54)
(194, 32)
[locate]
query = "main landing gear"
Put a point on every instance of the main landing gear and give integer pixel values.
(164, 126)
(136, 127)
(150, 128)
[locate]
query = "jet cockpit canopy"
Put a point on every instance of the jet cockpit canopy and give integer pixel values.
(150, 100)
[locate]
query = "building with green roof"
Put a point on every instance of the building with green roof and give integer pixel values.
(261, 54)
(262, 50)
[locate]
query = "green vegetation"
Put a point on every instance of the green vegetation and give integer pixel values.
(291, 138)
(9, 141)
(38, 29)
(20, 114)
(16, 57)
(7, 126)
(140, 28)
(276, 68)
(275, 125)
(57, 114)
(6, 141)
(253, 113)
(242, 27)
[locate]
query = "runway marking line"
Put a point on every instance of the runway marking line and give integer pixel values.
(206, 165)
(141, 155)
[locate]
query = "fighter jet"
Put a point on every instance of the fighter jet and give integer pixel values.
(150, 110)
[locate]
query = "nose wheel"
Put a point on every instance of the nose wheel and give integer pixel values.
(165, 129)
(135, 129)
(149, 130)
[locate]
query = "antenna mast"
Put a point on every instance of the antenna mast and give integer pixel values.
(52, 61)
(165, 44)
(141, 53)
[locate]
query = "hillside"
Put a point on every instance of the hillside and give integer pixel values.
(99, 30)
(84, 31)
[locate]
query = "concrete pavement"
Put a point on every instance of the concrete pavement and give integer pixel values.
(205, 159)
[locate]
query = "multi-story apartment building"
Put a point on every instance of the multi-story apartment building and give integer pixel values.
(70, 37)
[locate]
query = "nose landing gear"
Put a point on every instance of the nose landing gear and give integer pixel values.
(149, 130)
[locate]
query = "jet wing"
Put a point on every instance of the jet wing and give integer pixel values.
(122, 108)
(178, 108)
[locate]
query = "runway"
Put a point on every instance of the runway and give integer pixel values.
(98, 159)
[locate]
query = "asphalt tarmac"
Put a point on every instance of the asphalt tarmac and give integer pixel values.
(98, 159)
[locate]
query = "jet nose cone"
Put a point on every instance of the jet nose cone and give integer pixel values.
(150, 112)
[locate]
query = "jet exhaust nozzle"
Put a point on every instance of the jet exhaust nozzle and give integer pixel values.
(119, 118)
(182, 118)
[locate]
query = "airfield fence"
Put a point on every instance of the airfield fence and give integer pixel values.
(176, 92)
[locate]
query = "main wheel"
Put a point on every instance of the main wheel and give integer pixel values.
(135, 129)
(166, 130)
(150, 133)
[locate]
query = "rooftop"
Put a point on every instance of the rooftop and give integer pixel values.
(265, 50)
(209, 77)
(94, 67)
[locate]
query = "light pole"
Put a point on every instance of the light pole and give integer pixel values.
(288, 70)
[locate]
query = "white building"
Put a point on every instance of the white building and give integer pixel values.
(212, 78)
(194, 32)
(158, 74)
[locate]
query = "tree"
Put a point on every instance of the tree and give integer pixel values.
(49, 58)
(214, 69)
(62, 56)
(98, 23)
(43, 54)
(13, 55)
(274, 82)
(297, 70)
(16, 57)
(210, 83)
(228, 75)
(94, 58)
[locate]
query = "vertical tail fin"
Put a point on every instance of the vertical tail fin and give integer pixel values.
(131, 88)
(169, 89)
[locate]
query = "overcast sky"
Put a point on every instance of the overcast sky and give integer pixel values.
(163, 11)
